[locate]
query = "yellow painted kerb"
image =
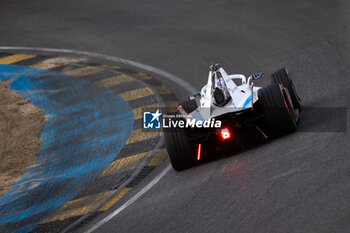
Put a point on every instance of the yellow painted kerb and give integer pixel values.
(127, 163)
(114, 81)
(15, 58)
(136, 94)
(141, 76)
(83, 71)
(78, 207)
(115, 199)
(158, 157)
(138, 112)
(139, 135)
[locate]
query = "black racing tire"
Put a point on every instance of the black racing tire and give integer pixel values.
(278, 110)
(189, 105)
(282, 76)
(180, 149)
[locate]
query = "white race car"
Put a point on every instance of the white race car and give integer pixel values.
(236, 105)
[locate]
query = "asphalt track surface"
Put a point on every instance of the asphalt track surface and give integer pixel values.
(298, 183)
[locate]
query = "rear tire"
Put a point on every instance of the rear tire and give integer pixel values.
(282, 76)
(278, 109)
(180, 149)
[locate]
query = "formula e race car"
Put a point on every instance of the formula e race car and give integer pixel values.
(227, 105)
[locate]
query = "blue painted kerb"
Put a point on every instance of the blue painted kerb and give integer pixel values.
(87, 127)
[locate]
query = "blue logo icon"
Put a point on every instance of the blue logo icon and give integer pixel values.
(151, 120)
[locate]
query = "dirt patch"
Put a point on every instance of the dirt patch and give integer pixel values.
(21, 124)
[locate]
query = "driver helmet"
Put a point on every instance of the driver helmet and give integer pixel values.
(220, 92)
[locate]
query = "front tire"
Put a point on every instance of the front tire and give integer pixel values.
(282, 76)
(278, 109)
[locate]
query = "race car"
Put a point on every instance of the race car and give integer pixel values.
(230, 104)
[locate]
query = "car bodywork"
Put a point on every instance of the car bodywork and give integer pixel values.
(242, 95)
(246, 112)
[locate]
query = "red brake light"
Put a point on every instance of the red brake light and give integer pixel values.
(225, 133)
(199, 151)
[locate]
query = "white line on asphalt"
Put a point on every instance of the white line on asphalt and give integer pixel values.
(131, 200)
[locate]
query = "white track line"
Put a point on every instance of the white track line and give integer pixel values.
(187, 86)
(131, 200)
